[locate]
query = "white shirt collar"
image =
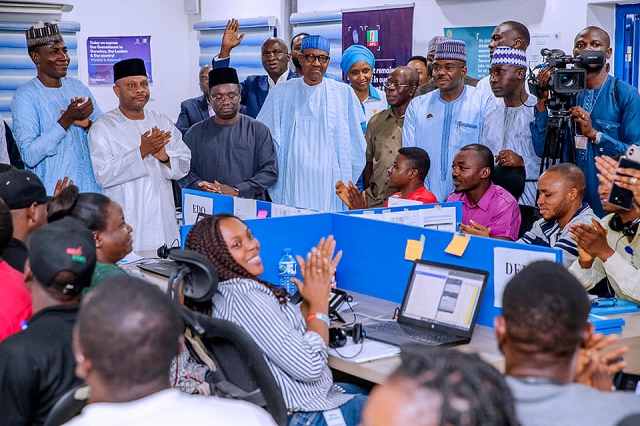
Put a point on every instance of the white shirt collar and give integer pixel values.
(282, 79)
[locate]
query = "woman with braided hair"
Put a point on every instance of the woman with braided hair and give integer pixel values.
(292, 338)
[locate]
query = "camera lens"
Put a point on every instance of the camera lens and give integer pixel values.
(568, 80)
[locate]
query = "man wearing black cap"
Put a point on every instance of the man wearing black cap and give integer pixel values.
(135, 154)
(37, 365)
(231, 153)
(26, 197)
(52, 114)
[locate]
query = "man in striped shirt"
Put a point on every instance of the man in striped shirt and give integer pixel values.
(560, 192)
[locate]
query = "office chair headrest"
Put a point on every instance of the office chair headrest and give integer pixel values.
(200, 280)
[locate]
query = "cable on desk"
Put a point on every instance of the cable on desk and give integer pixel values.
(352, 356)
(372, 317)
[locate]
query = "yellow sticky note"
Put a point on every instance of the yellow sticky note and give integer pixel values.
(414, 249)
(458, 245)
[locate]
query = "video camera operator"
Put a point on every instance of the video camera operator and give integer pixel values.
(605, 114)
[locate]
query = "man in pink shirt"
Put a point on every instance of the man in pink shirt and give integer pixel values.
(487, 209)
(15, 299)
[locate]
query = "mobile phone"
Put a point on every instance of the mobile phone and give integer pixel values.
(633, 153)
(620, 197)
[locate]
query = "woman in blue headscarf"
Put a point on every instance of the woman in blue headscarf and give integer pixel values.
(357, 63)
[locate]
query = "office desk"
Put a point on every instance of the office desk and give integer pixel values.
(156, 279)
(483, 342)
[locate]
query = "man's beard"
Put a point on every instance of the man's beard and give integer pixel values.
(296, 62)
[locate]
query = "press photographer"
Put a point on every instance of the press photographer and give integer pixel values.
(585, 124)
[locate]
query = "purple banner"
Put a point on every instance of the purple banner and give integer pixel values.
(103, 52)
(388, 33)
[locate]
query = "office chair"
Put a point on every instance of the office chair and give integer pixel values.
(242, 371)
(68, 406)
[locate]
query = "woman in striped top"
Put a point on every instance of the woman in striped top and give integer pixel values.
(293, 338)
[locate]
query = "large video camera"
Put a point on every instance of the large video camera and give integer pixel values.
(565, 83)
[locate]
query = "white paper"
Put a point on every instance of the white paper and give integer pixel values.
(508, 262)
(280, 210)
(130, 258)
(410, 217)
(441, 218)
(245, 208)
(397, 201)
(194, 204)
(371, 350)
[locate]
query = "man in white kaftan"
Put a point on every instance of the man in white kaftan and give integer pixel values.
(443, 121)
(316, 125)
(135, 154)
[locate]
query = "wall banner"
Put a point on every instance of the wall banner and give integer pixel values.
(103, 52)
(388, 33)
(477, 40)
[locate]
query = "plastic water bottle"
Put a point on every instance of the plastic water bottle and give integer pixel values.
(287, 268)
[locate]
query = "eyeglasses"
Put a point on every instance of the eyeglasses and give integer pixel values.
(230, 97)
(276, 53)
(311, 58)
(447, 68)
(394, 86)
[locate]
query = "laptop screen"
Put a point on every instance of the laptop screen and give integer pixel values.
(444, 294)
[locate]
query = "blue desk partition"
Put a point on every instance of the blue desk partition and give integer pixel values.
(373, 260)
(222, 203)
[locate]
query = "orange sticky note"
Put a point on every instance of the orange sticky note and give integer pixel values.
(458, 245)
(414, 249)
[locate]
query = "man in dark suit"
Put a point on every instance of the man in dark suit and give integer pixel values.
(196, 109)
(275, 60)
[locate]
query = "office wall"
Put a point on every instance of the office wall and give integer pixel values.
(174, 46)
(174, 43)
(541, 16)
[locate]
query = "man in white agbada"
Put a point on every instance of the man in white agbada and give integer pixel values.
(135, 154)
(316, 128)
(506, 128)
(443, 121)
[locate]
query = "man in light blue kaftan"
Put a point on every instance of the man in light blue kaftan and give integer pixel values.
(316, 125)
(52, 114)
(443, 121)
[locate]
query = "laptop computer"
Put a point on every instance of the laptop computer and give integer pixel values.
(440, 306)
(161, 267)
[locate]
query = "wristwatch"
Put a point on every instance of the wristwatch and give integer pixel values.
(235, 188)
(598, 138)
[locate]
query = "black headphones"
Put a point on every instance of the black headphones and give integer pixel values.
(628, 229)
(195, 274)
(163, 251)
(338, 335)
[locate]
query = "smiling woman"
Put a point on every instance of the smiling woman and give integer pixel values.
(358, 63)
(293, 338)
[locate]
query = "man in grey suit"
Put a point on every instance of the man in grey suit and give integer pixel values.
(196, 109)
